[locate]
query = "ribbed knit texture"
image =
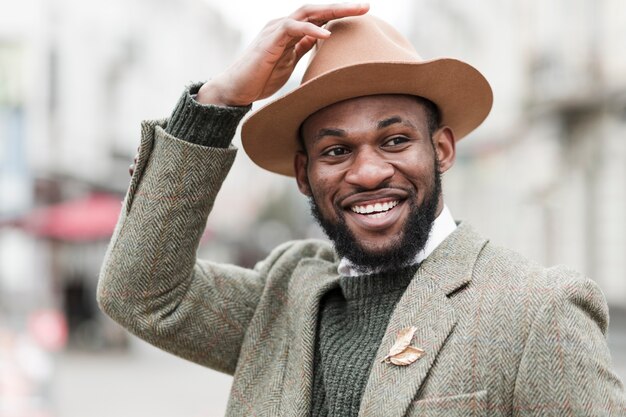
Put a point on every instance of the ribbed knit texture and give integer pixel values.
(353, 320)
(204, 124)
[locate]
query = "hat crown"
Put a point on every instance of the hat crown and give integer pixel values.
(357, 40)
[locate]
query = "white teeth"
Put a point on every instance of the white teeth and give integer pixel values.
(378, 209)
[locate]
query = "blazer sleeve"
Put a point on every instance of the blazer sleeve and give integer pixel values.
(150, 281)
(565, 368)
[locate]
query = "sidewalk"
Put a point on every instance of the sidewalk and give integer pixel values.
(146, 382)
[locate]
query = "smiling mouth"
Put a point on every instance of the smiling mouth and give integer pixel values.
(376, 210)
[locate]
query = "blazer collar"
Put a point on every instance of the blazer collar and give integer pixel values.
(390, 389)
(425, 305)
(452, 263)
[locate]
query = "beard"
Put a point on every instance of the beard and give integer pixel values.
(401, 251)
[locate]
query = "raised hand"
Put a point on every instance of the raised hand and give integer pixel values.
(269, 61)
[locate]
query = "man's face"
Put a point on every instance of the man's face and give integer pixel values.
(371, 169)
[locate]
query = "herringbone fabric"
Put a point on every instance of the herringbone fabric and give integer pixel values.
(503, 336)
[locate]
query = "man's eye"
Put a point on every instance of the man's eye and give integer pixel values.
(336, 151)
(396, 140)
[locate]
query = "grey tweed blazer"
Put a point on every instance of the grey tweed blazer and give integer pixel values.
(503, 336)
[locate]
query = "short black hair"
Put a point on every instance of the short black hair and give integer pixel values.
(433, 115)
(433, 118)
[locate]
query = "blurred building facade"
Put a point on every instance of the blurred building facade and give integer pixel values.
(76, 78)
(546, 174)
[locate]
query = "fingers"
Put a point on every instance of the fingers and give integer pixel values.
(269, 61)
(322, 13)
(306, 22)
(298, 30)
(303, 46)
(289, 33)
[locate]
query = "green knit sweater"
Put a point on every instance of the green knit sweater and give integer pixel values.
(352, 322)
(353, 316)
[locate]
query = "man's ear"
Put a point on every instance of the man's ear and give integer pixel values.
(445, 146)
(302, 178)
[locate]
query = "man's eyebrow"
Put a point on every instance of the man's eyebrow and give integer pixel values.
(381, 125)
(393, 120)
(330, 132)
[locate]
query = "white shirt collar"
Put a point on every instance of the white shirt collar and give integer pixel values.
(443, 226)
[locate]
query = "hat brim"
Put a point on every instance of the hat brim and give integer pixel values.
(463, 96)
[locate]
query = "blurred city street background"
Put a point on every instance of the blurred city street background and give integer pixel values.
(545, 175)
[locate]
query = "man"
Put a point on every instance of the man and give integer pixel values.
(406, 313)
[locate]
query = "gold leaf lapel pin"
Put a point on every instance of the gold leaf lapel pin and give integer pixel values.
(403, 340)
(407, 356)
(402, 353)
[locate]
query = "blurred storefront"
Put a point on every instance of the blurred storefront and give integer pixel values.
(76, 78)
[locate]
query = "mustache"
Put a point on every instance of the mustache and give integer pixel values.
(410, 192)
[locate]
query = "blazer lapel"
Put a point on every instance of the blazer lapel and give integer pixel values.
(425, 305)
(311, 280)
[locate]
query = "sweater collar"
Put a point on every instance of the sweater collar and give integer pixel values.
(442, 227)
(377, 285)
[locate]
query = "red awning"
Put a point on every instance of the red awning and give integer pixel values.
(86, 219)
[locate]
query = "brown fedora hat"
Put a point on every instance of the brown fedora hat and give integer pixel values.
(364, 56)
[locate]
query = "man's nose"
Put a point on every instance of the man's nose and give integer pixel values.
(369, 170)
